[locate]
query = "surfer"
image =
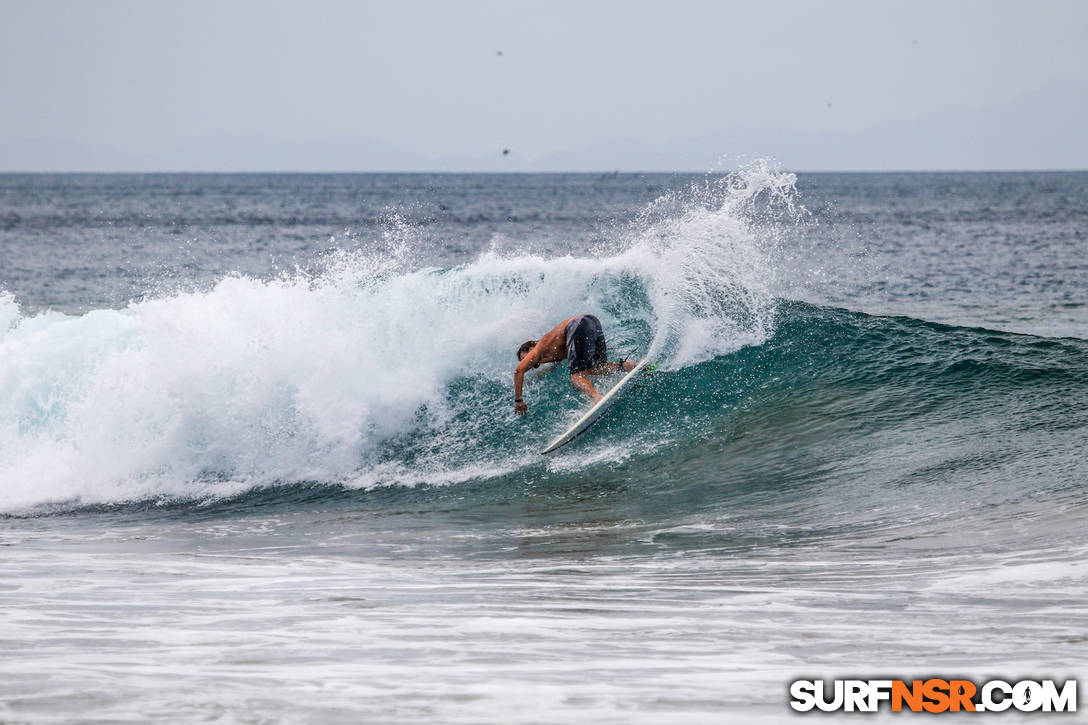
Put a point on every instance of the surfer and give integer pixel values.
(581, 340)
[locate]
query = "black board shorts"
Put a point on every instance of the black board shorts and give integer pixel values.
(585, 343)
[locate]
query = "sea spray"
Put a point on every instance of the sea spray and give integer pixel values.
(707, 256)
(373, 370)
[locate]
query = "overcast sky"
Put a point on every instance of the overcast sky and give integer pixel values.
(343, 86)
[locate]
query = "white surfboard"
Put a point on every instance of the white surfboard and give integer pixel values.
(599, 408)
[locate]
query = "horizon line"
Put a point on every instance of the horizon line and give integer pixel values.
(600, 172)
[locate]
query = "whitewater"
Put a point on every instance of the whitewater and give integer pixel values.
(304, 376)
(259, 460)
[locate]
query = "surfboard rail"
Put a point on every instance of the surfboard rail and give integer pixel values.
(599, 409)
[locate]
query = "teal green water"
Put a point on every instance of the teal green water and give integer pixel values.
(259, 460)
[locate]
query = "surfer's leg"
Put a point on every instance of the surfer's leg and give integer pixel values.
(612, 367)
(581, 382)
(600, 349)
(582, 342)
(581, 345)
(601, 366)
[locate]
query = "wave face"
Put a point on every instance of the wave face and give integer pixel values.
(373, 374)
(371, 371)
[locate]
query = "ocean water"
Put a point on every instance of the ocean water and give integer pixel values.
(259, 461)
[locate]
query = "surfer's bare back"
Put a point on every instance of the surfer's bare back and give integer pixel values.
(579, 338)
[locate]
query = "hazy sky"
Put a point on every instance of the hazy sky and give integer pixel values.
(582, 85)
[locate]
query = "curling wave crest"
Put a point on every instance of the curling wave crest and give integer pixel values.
(374, 371)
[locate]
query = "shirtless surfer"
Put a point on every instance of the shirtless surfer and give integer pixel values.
(579, 338)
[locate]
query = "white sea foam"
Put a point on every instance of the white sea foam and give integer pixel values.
(253, 382)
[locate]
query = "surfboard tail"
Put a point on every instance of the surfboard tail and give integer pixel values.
(598, 410)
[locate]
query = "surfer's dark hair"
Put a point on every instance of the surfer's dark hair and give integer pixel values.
(525, 348)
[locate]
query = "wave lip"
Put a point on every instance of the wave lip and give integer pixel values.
(373, 371)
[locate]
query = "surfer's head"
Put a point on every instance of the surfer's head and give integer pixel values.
(525, 348)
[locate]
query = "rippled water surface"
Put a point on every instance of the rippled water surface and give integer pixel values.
(259, 463)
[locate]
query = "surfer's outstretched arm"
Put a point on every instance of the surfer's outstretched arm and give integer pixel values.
(535, 353)
(519, 405)
(526, 364)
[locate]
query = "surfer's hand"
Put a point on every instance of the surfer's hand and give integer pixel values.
(521, 408)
